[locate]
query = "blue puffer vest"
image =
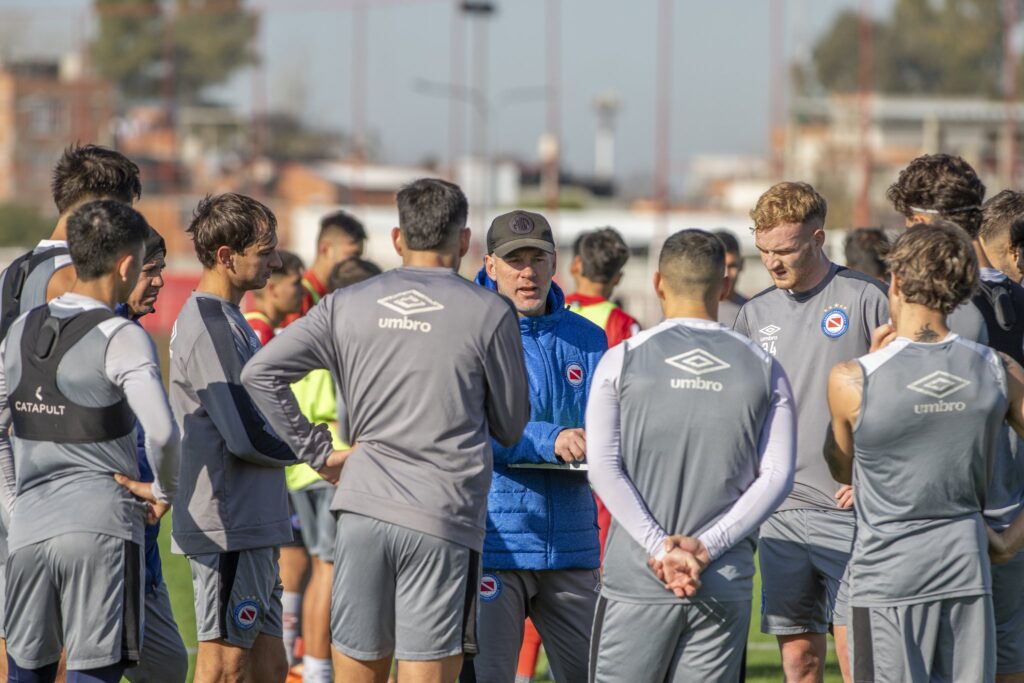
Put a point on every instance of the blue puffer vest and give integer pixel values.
(536, 518)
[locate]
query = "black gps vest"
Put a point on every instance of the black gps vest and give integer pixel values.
(17, 273)
(39, 411)
(1002, 306)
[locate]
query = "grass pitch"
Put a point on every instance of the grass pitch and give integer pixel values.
(763, 664)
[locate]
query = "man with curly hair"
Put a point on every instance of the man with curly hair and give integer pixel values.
(944, 187)
(916, 423)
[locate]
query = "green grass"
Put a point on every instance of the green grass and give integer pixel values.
(763, 664)
(178, 578)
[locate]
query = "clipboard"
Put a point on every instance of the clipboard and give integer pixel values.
(564, 466)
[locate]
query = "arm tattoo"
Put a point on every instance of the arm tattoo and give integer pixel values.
(926, 334)
(830, 451)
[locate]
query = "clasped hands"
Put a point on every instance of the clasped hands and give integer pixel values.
(680, 567)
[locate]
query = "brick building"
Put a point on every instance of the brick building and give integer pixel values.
(44, 106)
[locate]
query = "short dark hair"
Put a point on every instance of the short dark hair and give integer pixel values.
(431, 212)
(290, 263)
(94, 172)
(231, 220)
(935, 265)
(351, 271)
(942, 185)
(865, 250)
(1017, 236)
(602, 254)
(341, 221)
(729, 241)
(101, 232)
(692, 260)
(154, 246)
(1000, 213)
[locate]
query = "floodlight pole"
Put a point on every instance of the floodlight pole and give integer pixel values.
(1010, 57)
(862, 209)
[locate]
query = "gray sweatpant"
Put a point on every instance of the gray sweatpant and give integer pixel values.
(164, 658)
(697, 641)
(560, 603)
(947, 640)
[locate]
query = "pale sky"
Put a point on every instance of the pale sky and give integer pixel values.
(720, 68)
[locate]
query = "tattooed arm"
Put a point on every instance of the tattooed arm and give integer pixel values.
(845, 385)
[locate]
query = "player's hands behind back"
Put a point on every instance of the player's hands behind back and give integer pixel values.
(679, 569)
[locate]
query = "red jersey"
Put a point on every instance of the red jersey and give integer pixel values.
(617, 324)
(260, 324)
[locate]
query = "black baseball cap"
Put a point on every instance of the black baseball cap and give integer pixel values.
(519, 229)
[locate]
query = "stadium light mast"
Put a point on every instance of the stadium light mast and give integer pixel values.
(456, 108)
(1010, 57)
(663, 117)
(778, 81)
(662, 137)
(481, 11)
(552, 160)
(862, 209)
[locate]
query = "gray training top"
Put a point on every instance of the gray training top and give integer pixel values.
(429, 366)
(809, 332)
(924, 442)
(691, 430)
(69, 487)
(33, 291)
(233, 494)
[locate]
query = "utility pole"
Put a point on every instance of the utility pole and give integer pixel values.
(862, 210)
(1008, 157)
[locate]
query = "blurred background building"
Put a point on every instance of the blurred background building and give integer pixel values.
(649, 117)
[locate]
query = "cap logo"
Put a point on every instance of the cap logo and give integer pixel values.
(521, 224)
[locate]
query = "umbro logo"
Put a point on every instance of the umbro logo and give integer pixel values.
(697, 362)
(938, 384)
(770, 330)
(409, 302)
